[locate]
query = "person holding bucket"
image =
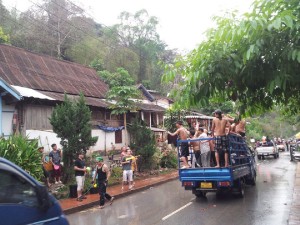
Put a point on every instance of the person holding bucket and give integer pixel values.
(55, 157)
(102, 174)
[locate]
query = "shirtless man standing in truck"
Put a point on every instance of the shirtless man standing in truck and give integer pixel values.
(183, 134)
(238, 125)
(219, 126)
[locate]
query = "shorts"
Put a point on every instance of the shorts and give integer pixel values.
(80, 182)
(184, 149)
(127, 175)
(221, 143)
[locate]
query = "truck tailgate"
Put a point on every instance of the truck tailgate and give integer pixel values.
(205, 174)
(269, 149)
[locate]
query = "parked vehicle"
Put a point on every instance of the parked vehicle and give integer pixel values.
(242, 170)
(23, 200)
(294, 152)
(267, 149)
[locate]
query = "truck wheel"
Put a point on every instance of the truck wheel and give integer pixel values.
(239, 186)
(252, 181)
(241, 192)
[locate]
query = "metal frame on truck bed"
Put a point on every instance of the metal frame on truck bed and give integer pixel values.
(241, 170)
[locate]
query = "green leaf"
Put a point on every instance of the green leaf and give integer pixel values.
(253, 24)
(288, 21)
(298, 57)
(277, 23)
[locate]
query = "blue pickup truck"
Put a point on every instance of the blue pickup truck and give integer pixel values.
(242, 170)
(23, 200)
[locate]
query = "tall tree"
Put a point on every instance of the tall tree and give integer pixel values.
(138, 32)
(71, 123)
(123, 94)
(3, 37)
(253, 60)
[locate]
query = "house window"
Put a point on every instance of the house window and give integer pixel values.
(118, 136)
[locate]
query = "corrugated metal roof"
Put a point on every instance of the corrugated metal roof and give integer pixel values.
(30, 93)
(199, 117)
(150, 107)
(89, 100)
(155, 129)
(39, 72)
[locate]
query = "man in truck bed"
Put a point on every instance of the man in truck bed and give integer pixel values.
(219, 126)
(183, 134)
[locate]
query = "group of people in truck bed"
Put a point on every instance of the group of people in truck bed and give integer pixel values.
(207, 152)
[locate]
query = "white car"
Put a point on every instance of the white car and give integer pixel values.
(267, 150)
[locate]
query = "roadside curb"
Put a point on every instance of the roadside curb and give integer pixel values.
(294, 217)
(95, 202)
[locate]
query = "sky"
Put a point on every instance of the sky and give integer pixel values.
(182, 23)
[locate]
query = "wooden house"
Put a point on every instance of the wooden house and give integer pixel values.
(39, 83)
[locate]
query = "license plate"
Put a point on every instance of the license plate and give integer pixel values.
(206, 185)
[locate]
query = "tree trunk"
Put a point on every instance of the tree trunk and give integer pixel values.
(125, 122)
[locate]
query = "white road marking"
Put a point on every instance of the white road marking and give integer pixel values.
(122, 216)
(176, 211)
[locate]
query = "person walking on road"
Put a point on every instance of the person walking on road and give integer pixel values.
(103, 173)
(80, 171)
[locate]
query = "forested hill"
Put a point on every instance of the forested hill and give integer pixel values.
(61, 29)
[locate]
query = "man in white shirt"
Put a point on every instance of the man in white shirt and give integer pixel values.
(204, 148)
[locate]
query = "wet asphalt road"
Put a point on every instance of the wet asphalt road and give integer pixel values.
(267, 203)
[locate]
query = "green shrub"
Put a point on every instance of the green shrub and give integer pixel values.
(117, 172)
(169, 159)
(143, 142)
(23, 152)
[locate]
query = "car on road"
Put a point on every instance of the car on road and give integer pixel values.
(267, 149)
(24, 200)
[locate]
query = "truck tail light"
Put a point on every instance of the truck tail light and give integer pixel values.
(224, 183)
(188, 184)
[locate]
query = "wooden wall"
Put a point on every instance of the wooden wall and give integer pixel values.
(36, 117)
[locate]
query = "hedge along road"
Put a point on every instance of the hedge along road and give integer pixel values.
(268, 202)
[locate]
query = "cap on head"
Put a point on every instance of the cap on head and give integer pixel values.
(99, 159)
